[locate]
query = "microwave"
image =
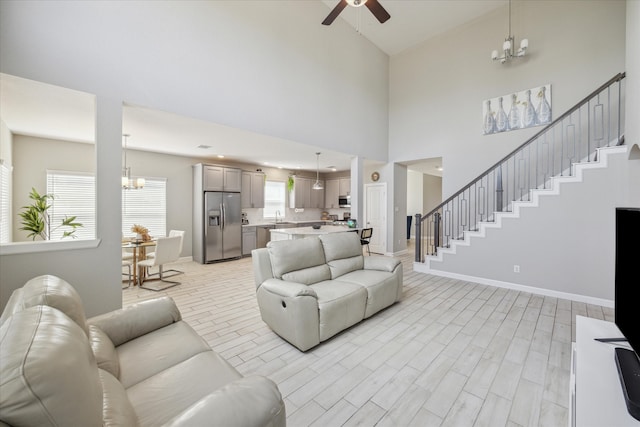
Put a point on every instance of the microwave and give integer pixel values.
(344, 201)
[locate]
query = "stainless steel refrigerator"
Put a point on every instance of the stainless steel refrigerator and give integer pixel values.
(223, 226)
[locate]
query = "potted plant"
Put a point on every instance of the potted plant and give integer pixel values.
(37, 222)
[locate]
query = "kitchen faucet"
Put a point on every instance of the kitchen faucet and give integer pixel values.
(277, 213)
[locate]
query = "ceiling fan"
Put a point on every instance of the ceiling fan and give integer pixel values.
(376, 8)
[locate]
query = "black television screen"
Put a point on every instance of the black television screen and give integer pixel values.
(627, 279)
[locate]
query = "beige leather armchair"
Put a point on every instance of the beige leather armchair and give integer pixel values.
(139, 366)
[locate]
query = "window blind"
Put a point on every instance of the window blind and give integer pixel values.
(5, 204)
(74, 194)
(147, 207)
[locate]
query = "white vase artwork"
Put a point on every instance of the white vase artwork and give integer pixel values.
(517, 110)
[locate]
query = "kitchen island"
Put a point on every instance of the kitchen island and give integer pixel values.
(302, 232)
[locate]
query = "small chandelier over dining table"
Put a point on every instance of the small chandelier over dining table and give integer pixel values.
(129, 183)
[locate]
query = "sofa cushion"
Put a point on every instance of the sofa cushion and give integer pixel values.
(116, 407)
(104, 351)
(343, 253)
(340, 305)
(299, 257)
(49, 375)
(156, 351)
(381, 286)
(52, 291)
(308, 276)
(171, 392)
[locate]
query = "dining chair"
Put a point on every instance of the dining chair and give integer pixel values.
(167, 250)
(128, 265)
(365, 238)
(172, 233)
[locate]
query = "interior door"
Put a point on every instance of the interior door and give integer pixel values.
(375, 213)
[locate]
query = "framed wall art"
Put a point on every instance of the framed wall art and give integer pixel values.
(519, 110)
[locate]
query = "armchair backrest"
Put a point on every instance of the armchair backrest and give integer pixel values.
(48, 290)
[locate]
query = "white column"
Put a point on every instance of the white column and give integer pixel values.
(357, 206)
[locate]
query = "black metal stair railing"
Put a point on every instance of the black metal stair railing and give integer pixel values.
(595, 122)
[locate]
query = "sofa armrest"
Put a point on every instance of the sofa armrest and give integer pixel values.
(249, 401)
(382, 263)
(284, 288)
(138, 319)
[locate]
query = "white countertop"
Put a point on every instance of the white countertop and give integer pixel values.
(262, 224)
(325, 229)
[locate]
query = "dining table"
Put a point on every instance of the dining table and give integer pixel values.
(139, 250)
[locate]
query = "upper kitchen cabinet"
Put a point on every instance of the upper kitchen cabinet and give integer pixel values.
(232, 179)
(252, 190)
(317, 197)
(219, 178)
(335, 188)
(332, 191)
(300, 197)
(345, 186)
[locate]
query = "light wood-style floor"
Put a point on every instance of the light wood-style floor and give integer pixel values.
(451, 353)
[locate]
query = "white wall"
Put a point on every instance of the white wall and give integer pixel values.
(437, 89)
(566, 244)
(268, 67)
(432, 188)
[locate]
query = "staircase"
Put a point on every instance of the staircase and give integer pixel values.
(579, 140)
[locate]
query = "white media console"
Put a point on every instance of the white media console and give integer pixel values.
(596, 394)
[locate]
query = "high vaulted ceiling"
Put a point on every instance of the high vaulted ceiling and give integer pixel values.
(70, 115)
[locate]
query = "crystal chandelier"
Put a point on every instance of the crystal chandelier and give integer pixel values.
(129, 183)
(508, 51)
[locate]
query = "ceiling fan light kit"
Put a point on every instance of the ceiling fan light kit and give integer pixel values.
(508, 47)
(376, 9)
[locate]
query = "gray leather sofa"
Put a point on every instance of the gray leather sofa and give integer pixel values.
(310, 289)
(139, 366)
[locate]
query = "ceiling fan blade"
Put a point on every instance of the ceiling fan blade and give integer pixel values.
(378, 11)
(335, 12)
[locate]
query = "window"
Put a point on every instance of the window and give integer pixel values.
(5, 204)
(147, 207)
(274, 199)
(74, 194)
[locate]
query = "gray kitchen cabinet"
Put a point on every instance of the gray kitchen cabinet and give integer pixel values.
(219, 178)
(317, 197)
(232, 179)
(252, 189)
(213, 177)
(331, 193)
(345, 186)
(249, 240)
(300, 197)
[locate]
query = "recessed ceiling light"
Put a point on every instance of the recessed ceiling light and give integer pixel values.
(204, 147)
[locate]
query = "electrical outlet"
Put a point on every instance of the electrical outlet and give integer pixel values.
(516, 268)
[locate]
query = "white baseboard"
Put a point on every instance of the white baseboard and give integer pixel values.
(422, 268)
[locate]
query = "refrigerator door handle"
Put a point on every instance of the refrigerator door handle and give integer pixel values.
(222, 216)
